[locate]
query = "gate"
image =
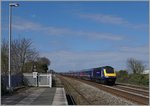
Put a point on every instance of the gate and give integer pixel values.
(45, 80)
(40, 79)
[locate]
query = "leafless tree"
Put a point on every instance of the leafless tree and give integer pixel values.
(21, 52)
(136, 66)
(4, 57)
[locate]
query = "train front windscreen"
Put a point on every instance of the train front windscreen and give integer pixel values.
(109, 70)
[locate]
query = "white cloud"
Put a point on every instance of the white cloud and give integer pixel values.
(69, 60)
(25, 25)
(141, 49)
(106, 36)
(105, 18)
(56, 31)
(110, 19)
(22, 24)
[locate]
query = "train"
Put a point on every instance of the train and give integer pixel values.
(104, 74)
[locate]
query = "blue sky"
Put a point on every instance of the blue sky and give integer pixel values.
(80, 35)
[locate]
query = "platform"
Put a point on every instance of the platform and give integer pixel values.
(37, 96)
(60, 97)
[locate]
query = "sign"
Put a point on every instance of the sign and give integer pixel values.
(35, 74)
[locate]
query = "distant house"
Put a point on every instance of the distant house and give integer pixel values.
(146, 71)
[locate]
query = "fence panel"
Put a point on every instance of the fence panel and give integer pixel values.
(45, 80)
(29, 80)
(41, 79)
(16, 81)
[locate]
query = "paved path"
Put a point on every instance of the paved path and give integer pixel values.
(32, 96)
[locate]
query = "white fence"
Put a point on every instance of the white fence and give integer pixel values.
(45, 80)
(41, 79)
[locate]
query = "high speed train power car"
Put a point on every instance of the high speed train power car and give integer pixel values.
(105, 74)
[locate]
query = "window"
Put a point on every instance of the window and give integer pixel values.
(109, 71)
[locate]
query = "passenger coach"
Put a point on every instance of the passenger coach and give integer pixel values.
(105, 74)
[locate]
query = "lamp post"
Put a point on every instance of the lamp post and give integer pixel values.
(9, 67)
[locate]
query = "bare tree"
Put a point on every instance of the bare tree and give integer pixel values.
(4, 57)
(21, 52)
(136, 66)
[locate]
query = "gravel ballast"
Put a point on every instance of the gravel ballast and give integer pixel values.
(97, 96)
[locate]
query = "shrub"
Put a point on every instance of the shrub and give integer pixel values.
(137, 79)
(122, 76)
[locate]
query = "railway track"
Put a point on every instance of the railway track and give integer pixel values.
(58, 83)
(136, 95)
(133, 89)
(68, 95)
(133, 86)
(68, 86)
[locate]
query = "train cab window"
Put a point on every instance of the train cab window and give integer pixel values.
(109, 71)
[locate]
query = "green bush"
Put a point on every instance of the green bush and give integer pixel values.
(122, 76)
(137, 79)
